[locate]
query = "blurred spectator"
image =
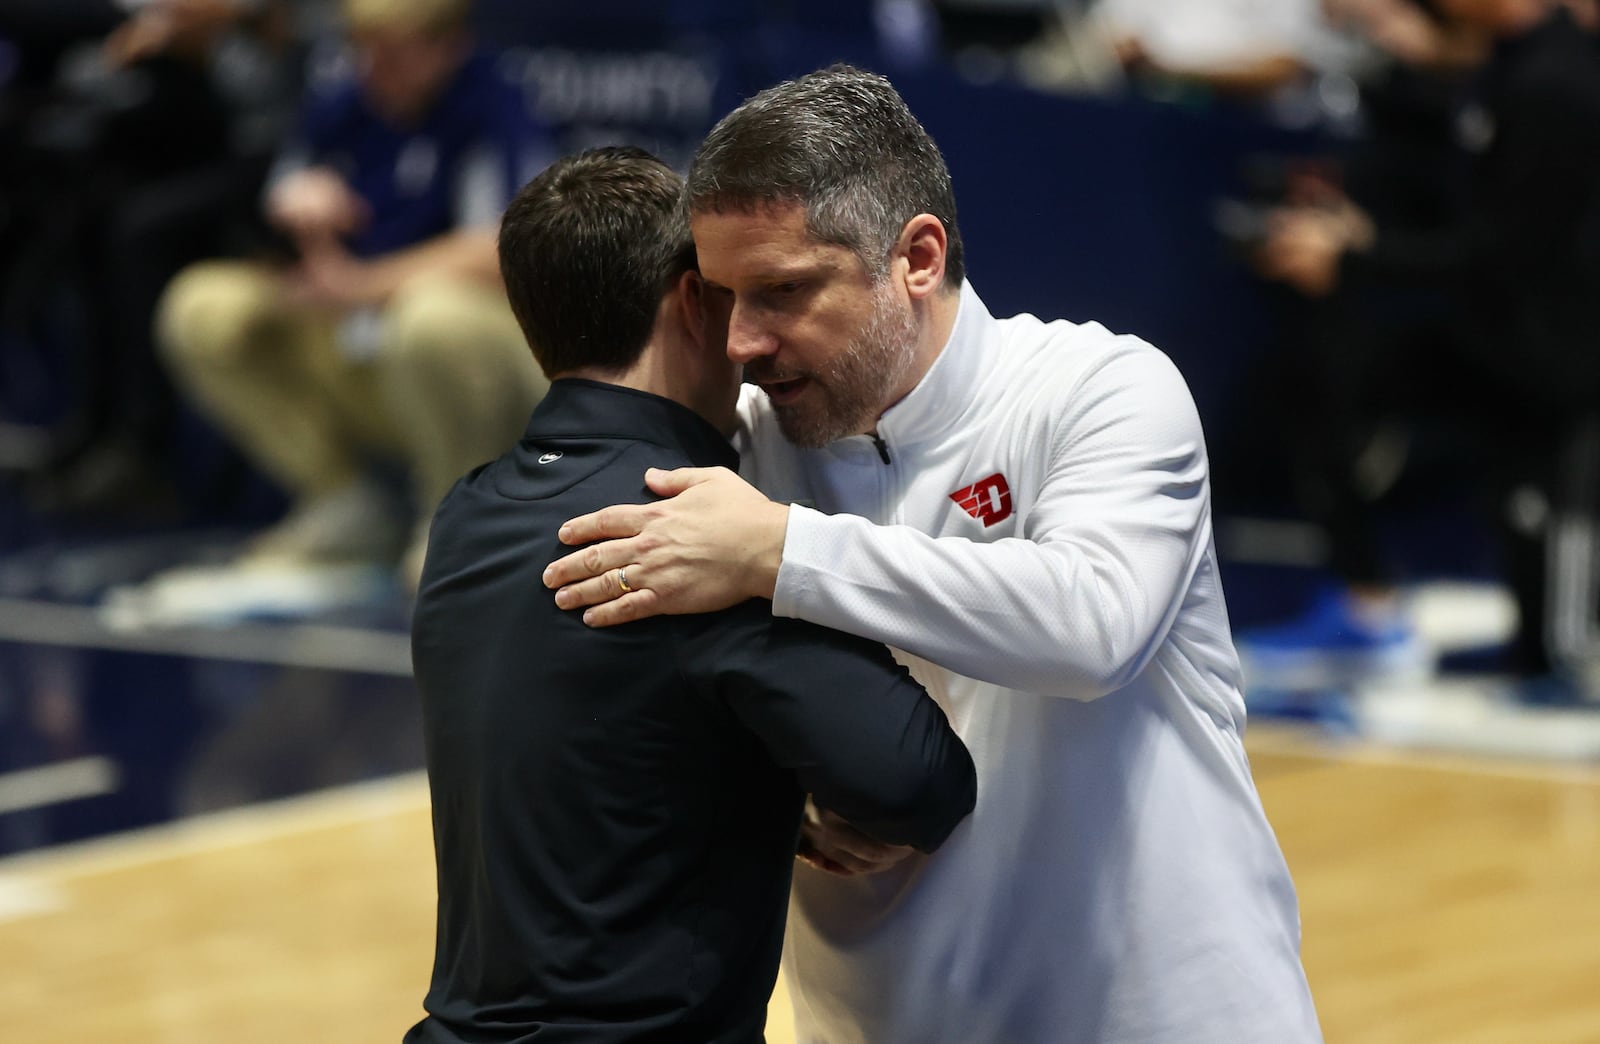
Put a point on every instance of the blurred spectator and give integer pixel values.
(136, 145)
(1402, 165)
(1407, 31)
(388, 334)
(1234, 47)
(1505, 353)
(41, 31)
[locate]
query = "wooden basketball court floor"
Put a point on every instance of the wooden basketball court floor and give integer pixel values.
(1443, 900)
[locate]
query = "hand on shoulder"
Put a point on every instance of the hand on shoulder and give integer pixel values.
(714, 542)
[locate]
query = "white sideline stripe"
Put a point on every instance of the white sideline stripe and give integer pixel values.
(56, 784)
(346, 806)
(1295, 742)
(377, 800)
(23, 897)
(288, 645)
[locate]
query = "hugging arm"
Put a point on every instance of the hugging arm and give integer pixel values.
(861, 736)
(1076, 604)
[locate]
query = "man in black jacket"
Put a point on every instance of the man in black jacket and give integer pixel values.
(1507, 356)
(616, 812)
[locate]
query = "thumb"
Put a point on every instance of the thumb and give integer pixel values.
(671, 483)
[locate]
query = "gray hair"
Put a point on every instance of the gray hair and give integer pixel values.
(840, 142)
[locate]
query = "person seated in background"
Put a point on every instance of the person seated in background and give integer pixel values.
(1507, 359)
(1293, 58)
(616, 813)
(1240, 48)
(388, 333)
(1408, 32)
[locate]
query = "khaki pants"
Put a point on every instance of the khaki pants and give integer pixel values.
(450, 386)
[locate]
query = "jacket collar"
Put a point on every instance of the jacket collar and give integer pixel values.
(579, 408)
(945, 393)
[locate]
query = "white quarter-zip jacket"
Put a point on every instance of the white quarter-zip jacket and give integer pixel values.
(1031, 532)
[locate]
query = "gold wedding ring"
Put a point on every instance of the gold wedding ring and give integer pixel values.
(622, 579)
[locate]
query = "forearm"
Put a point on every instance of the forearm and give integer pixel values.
(1259, 76)
(912, 787)
(467, 254)
(1114, 520)
(859, 733)
(1067, 617)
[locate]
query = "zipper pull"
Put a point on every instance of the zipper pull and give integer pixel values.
(883, 447)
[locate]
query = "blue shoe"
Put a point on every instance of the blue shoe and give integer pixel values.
(1332, 645)
(1333, 710)
(1556, 689)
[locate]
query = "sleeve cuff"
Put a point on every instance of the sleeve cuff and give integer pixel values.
(802, 537)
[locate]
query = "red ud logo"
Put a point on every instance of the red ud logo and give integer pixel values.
(989, 500)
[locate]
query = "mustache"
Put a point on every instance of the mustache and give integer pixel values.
(764, 371)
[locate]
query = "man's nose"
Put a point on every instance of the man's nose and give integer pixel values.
(748, 339)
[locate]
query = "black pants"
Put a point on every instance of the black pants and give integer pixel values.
(1370, 359)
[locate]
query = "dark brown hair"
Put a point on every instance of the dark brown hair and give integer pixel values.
(842, 143)
(587, 250)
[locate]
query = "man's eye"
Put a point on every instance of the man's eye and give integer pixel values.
(786, 289)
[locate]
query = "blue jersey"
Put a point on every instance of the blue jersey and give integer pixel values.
(459, 165)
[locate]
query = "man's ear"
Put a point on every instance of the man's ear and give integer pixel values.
(691, 295)
(925, 245)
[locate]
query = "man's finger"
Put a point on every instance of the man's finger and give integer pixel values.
(628, 608)
(602, 588)
(671, 483)
(863, 853)
(846, 844)
(853, 862)
(818, 861)
(618, 520)
(588, 563)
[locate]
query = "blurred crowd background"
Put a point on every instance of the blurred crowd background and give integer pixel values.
(250, 329)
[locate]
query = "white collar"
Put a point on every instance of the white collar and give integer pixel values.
(945, 393)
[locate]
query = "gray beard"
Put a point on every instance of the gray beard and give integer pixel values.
(857, 383)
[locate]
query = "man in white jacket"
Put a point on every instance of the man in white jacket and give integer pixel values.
(1021, 509)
